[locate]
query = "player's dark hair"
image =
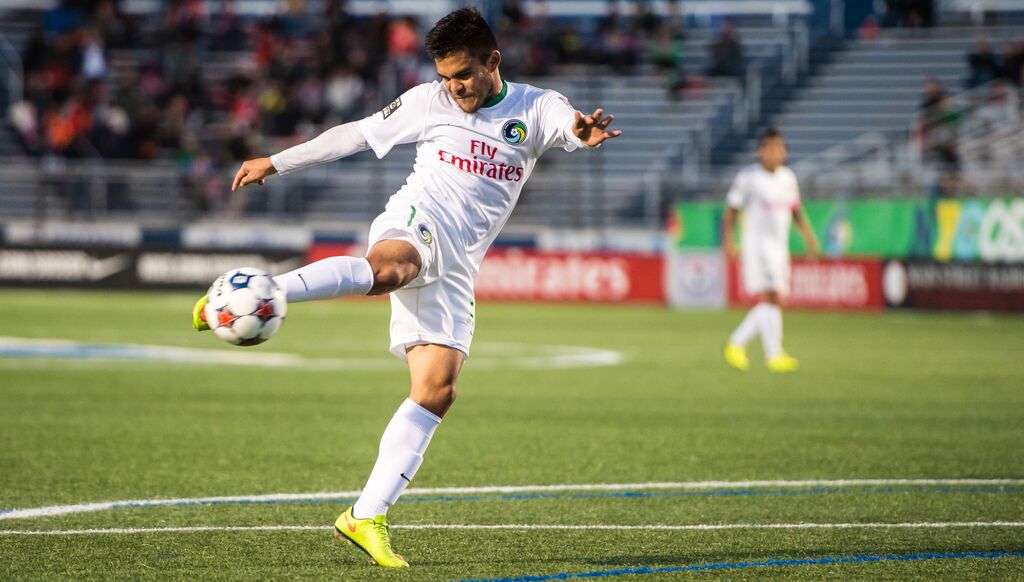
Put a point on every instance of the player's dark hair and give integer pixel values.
(462, 30)
(768, 135)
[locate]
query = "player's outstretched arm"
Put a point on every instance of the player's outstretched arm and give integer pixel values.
(592, 129)
(728, 227)
(335, 143)
(803, 224)
(253, 171)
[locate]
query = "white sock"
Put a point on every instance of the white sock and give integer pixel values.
(401, 454)
(750, 325)
(327, 278)
(771, 331)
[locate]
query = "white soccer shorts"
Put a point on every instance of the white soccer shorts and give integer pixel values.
(762, 273)
(438, 306)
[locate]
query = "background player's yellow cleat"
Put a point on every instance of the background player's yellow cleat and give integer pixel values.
(198, 315)
(736, 356)
(373, 536)
(783, 363)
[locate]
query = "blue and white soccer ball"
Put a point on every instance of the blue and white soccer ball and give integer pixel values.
(245, 307)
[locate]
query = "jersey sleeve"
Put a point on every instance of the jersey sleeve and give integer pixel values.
(557, 117)
(737, 196)
(338, 142)
(402, 121)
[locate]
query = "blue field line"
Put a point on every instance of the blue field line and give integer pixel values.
(773, 563)
(615, 494)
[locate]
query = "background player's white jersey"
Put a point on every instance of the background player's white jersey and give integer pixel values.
(767, 200)
(470, 168)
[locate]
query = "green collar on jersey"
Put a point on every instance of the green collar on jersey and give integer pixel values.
(497, 98)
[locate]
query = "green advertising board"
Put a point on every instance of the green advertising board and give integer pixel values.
(963, 229)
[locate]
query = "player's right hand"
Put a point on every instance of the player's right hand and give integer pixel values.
(253, 171)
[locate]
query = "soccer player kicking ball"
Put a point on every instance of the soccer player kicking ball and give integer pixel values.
(768, 195)
(477, 139)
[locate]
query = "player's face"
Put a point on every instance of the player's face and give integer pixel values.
(468, 80)
(773, 153)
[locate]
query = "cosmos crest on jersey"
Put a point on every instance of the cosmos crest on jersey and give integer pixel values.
(425, 234)
(514, 131)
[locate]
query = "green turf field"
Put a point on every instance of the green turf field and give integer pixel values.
(886, 397)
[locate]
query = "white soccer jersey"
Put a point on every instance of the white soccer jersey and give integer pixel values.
(767, 200)
(471, 167)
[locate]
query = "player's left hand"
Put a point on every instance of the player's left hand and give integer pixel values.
(592, 129)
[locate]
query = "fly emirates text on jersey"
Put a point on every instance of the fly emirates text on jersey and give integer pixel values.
(482, 167)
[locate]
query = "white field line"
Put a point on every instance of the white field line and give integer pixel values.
(54, 510)
(519, 526)
(495, 355)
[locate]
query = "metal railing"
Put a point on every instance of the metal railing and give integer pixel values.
(13, 73)
(592, 195)
(976, 10)
(979, 147)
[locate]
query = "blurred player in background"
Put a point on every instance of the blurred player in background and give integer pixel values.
(478, 138)
(768, 196)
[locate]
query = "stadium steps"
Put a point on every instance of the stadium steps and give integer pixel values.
(872, 84)
(735, 148)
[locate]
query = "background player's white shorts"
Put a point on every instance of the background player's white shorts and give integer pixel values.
(763, 273)
(438, 306)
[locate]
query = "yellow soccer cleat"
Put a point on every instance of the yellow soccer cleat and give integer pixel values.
(736, 356)
(783, 364)
(199, 315)
(373, 536)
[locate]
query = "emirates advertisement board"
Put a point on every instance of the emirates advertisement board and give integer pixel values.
(518, 274)
(531, 275)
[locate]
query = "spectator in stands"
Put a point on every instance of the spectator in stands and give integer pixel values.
(934, 93)
(984, 66)
(94, 55)
(665, 52)
(404, 52)
(568, 45)
(726, 53)
(616, 42)
(869, 29)
(1012, 61)
(343, 94)
(938, 129)
(910, 13)
(25, 119)
(227, 32)
(1000, 108)
(117, 29)
(512, 13)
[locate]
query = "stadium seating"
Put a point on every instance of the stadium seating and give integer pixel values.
(872, 86)
(618, 184)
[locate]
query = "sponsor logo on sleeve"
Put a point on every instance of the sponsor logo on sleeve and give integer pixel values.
(391, 108)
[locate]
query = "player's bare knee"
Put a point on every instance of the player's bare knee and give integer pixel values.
(444, 397)
(447, 394)
(395, 264)
(437, 398)
(390, 276)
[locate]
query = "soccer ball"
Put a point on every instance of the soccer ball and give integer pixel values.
(245, 307)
